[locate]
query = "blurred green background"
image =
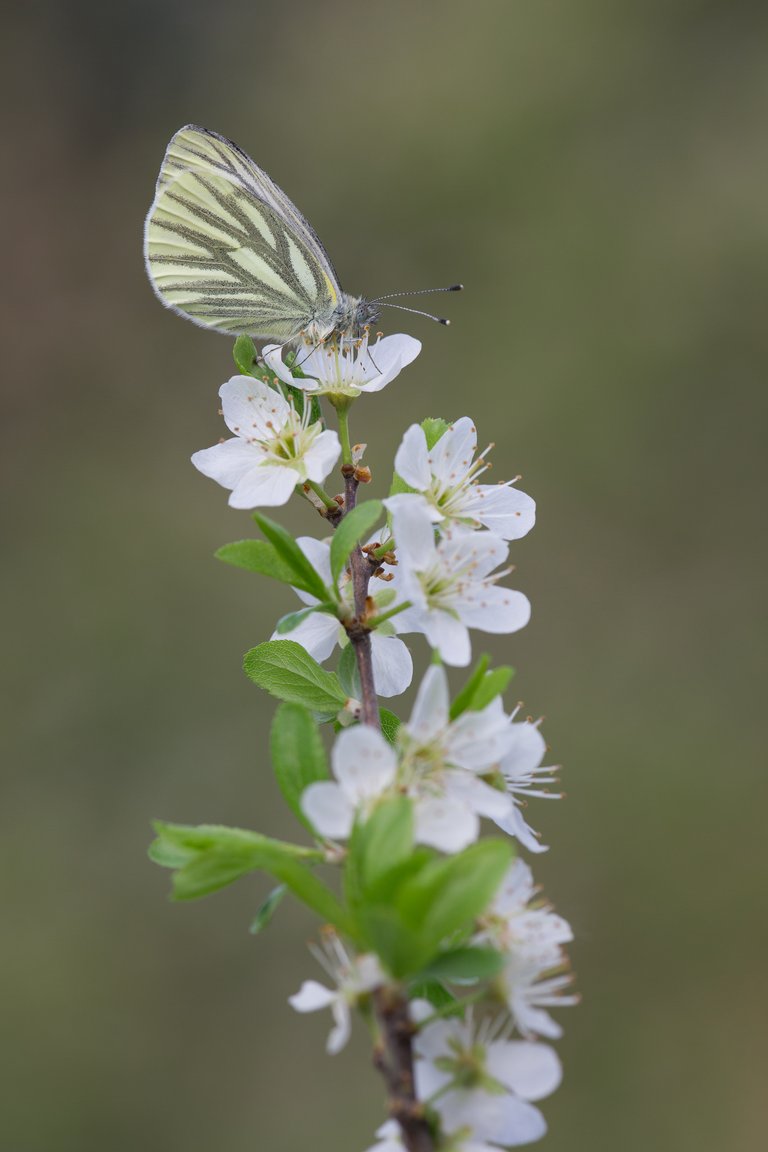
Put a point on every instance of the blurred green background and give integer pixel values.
(596, 174)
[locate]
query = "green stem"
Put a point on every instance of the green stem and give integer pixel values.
(342, 411)
(321, 494)
(387, 546)
(377, 620)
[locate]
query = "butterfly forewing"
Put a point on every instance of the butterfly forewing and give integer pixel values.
(226, 247)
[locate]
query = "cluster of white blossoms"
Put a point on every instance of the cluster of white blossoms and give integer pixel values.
(454, 771)
(449, 535)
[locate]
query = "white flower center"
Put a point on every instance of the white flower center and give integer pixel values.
(342, 364)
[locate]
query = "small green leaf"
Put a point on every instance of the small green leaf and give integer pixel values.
(389, 725)
(449, 893)
(305, 576)
(465, 965)
(298, 755)
(209, 857)
(348, 672)
(257, 556)
(437, 995)
(380, 846)
(434, 427)
(287, 671)
(355, 525)
(244, 354)
(465, 697)
(494, 684)
(293, 619)
(267, 910)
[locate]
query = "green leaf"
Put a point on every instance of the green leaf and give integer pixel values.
(348, 672)
(298, 755)
(287, 671)
(389, 725)
(257, 556)
(267, 910)
(355, 525)
(305, 576)
(481, 688)
(438, 996)
(292, 620)
(209, 857)
(465, 965)
(494, 684)
(449, 893)
(244, 354)
(465, 697)
(380, 846)
(434, 427)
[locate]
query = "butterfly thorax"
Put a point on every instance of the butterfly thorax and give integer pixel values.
(351, 318)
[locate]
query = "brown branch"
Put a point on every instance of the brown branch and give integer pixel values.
(393, 1057)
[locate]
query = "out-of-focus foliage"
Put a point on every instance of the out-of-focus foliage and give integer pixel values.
(596, 174)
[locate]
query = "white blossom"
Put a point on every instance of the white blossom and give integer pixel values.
(480, 1084)
(354, 977)
(449, 584)
(441, 762)
(390, 1140)
(535, 975)
(320, 632)
(272, 450)
(446, 477)
(524, 775)
(436, 762)
(345, 367)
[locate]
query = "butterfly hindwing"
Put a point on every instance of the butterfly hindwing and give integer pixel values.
(226, 247)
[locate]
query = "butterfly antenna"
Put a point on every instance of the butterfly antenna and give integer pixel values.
(418, 292)
(416, 311)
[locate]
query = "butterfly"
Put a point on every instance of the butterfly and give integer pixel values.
(227, 249)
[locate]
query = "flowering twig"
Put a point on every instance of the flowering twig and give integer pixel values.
(427, 908)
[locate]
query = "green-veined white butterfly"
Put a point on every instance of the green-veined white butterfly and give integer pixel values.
(227, 249)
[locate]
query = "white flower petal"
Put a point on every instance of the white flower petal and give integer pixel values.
(414, 534)
(318, 635)
(452, 455)
(476, 794)
(273, 355)
(320, 459)
(516, 826)
(445, 824)
(328, 809)
(478, 740)
(265, 486)
(493, 609)
(312, 996)
(227, 463)
(392, 664)
(386, 359)
(506, 511)
(519, 1123)
(429, 1079)
(485, 551)
(251, 408)
(449, 636)
(526, 750)
(411, 462)
(318, 552)
(363, 763)
(431, 709)
(342, 1029)
(530, 1070)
